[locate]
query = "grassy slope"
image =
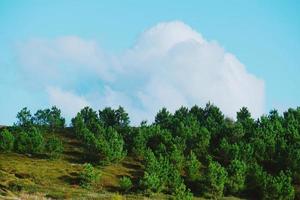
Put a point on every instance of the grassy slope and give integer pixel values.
(37, 177)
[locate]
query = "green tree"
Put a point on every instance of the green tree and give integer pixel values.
(49, 118)
(114, 118)
(279, 187)
(25, 119)
(164, 118)
(29, 142)
(54, 147)
(182, 193)
(236, 176)
(192, 167)
(151, 182)
(6, 141)
(112, 147)
(88, 176)
(215, 179)
(125, 183)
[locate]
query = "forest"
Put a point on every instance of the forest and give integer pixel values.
(194, 152)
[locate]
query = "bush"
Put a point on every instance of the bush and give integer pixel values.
(54, 147)
(6, 141)
(125, 183)
(88, 176)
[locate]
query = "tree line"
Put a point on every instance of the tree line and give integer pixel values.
(196, 151)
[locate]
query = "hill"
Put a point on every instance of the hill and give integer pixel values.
(192, 154)
(36, 177)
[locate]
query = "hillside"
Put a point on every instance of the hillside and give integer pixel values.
(36, 177)
(194, 153)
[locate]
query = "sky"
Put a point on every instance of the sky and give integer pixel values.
(145, 55)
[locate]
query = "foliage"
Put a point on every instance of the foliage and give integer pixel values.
(88, 176)
(192, 167)
(182, 193)
(54, 147)
(113, 146)
(236, 176)
(278, 187)
(103, 143)
(125, 183)
(151, 182)
(198, 147)
(25, 119)
(49, 118)
(215, 179)
(29, 142)
(6, 141)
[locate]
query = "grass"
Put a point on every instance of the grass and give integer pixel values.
(36, 177)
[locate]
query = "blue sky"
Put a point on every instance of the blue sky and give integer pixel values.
(263, 35)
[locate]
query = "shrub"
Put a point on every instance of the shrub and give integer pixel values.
(88, 176)
(6, 141)
(54, 147)
(125, 183)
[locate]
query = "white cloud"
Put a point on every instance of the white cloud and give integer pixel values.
(70, 102)
(170, 65)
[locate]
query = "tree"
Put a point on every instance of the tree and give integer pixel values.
(89, 117)
(54, 147)
(88, 176)
(176, 157)
(182, 193)
(114, 118)
(247, 122)
(29, 142)
(112, 146)
(164, 118)
(151, 182)
(6, 141)
(50, 119)
(236, 176)
(215, 179)
(125, 183)
(25, 119)
(157, 171)
(279, 187)
(192, 167)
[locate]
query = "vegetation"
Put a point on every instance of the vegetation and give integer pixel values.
(54, 147)
(125, 183)
(6, 141)
(190, 153)
(88, 176)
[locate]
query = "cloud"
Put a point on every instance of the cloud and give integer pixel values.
(70, 102)
(169, 65)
